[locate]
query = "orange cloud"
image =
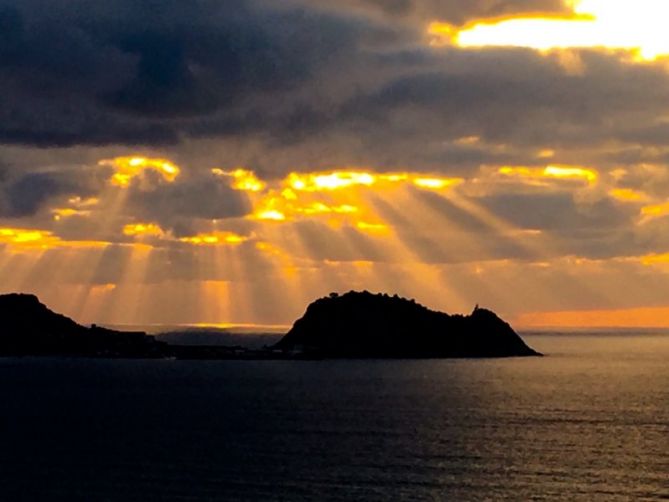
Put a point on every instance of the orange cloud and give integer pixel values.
(128, 168)
(143, 229)
(655, 210)
(337, 193)
(242, 179)
(22, 238)
(215, 238)
(552, 172)
(628, 195)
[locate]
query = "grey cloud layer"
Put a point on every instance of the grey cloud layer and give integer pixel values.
(130, 72)
(303, 85)
(158, 73)
(453, 11)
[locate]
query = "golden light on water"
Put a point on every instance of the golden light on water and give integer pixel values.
(637, 27)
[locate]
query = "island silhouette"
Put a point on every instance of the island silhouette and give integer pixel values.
(352, 325)
(366, 325)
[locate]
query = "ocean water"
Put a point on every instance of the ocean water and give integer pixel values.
(588, 422)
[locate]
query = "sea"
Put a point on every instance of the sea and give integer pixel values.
(590, 421)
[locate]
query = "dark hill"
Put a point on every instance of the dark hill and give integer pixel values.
(28, 327)
(362, 325)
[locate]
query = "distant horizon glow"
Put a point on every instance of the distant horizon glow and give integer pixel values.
(648, 317)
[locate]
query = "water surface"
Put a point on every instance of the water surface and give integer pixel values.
(588, 422)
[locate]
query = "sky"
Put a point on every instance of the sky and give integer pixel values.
(213, 162)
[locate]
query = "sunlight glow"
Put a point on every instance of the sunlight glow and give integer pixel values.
(242, 179)
(637, 27)
(436, 183)
(28, 237)
(21, 238)
(551, 172)
(568, 172)
(337, 180)
(329, 181)
(374, 228)
(128, 168)
(142, 229)
(215, 238)
(67, 212)
(322, 208)
(628, 195)
(546, 153)
(80, 202)
(655, 211)
(78, 207)
(655, 259)
(269, 214)
(338, 194)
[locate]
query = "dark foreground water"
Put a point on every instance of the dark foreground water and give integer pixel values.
(589, 422)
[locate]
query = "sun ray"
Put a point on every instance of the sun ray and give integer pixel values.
(126, 300)
(540, 248)
(84, 263)
(413, 251)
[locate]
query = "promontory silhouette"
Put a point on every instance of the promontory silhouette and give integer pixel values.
(354, 325)
(29, 328)
(366, 325)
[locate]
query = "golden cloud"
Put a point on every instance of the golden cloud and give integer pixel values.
(128, 168)
(638, 28)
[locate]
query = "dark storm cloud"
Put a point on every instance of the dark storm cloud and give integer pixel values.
(27, 195)
(143, 72)
(453, 11)
(520, 96)
(175, 206)
(24, 195)
(291, 74)
(135, 72)
(511, 97)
